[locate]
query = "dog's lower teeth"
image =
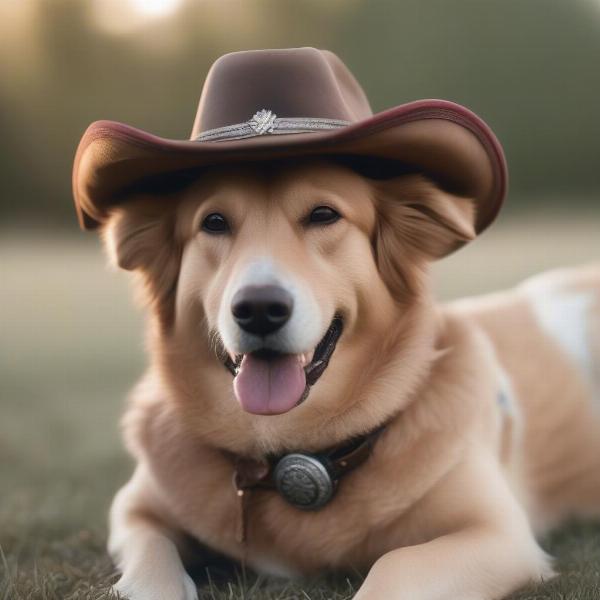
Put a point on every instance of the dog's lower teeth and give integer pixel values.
(314, 366)
(315, 370)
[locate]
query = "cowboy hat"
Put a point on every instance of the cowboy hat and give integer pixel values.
(263, 105)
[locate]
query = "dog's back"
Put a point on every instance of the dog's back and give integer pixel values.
(546, 333)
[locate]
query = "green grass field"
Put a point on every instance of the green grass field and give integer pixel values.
(70, 348)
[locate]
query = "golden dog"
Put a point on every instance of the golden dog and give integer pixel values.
(491, 434)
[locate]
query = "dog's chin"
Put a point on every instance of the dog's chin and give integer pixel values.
(267, 382)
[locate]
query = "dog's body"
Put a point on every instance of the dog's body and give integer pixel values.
(546, 334)
(491, 405)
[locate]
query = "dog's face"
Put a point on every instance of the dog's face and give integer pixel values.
(285, 276)
(279, 265)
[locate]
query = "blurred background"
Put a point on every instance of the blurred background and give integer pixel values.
(71, 342)
(530, 68)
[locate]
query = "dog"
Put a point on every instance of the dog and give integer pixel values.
(308, 405)
(491, 431)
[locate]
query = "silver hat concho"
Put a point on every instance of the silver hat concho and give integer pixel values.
(304, 481)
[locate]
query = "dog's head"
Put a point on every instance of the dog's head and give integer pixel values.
(268, 282)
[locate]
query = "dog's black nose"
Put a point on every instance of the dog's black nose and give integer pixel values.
(261, 309)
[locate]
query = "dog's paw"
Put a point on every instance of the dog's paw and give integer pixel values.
(190, 590)
(130, 588)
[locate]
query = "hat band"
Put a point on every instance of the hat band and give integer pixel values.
(266, 122)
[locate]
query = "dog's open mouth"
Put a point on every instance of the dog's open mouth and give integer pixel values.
(267, 382)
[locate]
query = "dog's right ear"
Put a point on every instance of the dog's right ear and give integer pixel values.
(417, 223)
(140, 236)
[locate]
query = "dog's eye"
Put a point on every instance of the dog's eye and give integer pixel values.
(323, 215)
(215, 223)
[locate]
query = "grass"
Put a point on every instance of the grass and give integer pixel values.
(70, 348)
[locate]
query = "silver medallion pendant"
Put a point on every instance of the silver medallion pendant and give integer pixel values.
(304, 481)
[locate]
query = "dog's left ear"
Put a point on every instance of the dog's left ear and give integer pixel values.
(417, 219)
(141, 236)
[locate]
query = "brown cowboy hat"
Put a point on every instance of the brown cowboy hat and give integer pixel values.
(273, 104)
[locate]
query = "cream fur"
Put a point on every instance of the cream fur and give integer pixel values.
(447, 505)
(300, 334)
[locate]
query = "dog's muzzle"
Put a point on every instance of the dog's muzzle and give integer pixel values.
(274, 362)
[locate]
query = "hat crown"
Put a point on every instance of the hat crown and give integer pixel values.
(291, 83)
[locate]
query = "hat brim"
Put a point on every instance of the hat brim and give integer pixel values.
(442, 139)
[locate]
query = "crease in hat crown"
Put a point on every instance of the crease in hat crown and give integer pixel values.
(264, 105)
(297, 83)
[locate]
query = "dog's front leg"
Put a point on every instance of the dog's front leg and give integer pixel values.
(144, 548)
(485, 549)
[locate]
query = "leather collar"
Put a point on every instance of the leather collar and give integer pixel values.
(308, 481)
(341, 459)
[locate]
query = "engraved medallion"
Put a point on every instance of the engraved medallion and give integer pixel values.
(303, 481)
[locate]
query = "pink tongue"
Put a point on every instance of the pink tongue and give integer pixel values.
(269, 387)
